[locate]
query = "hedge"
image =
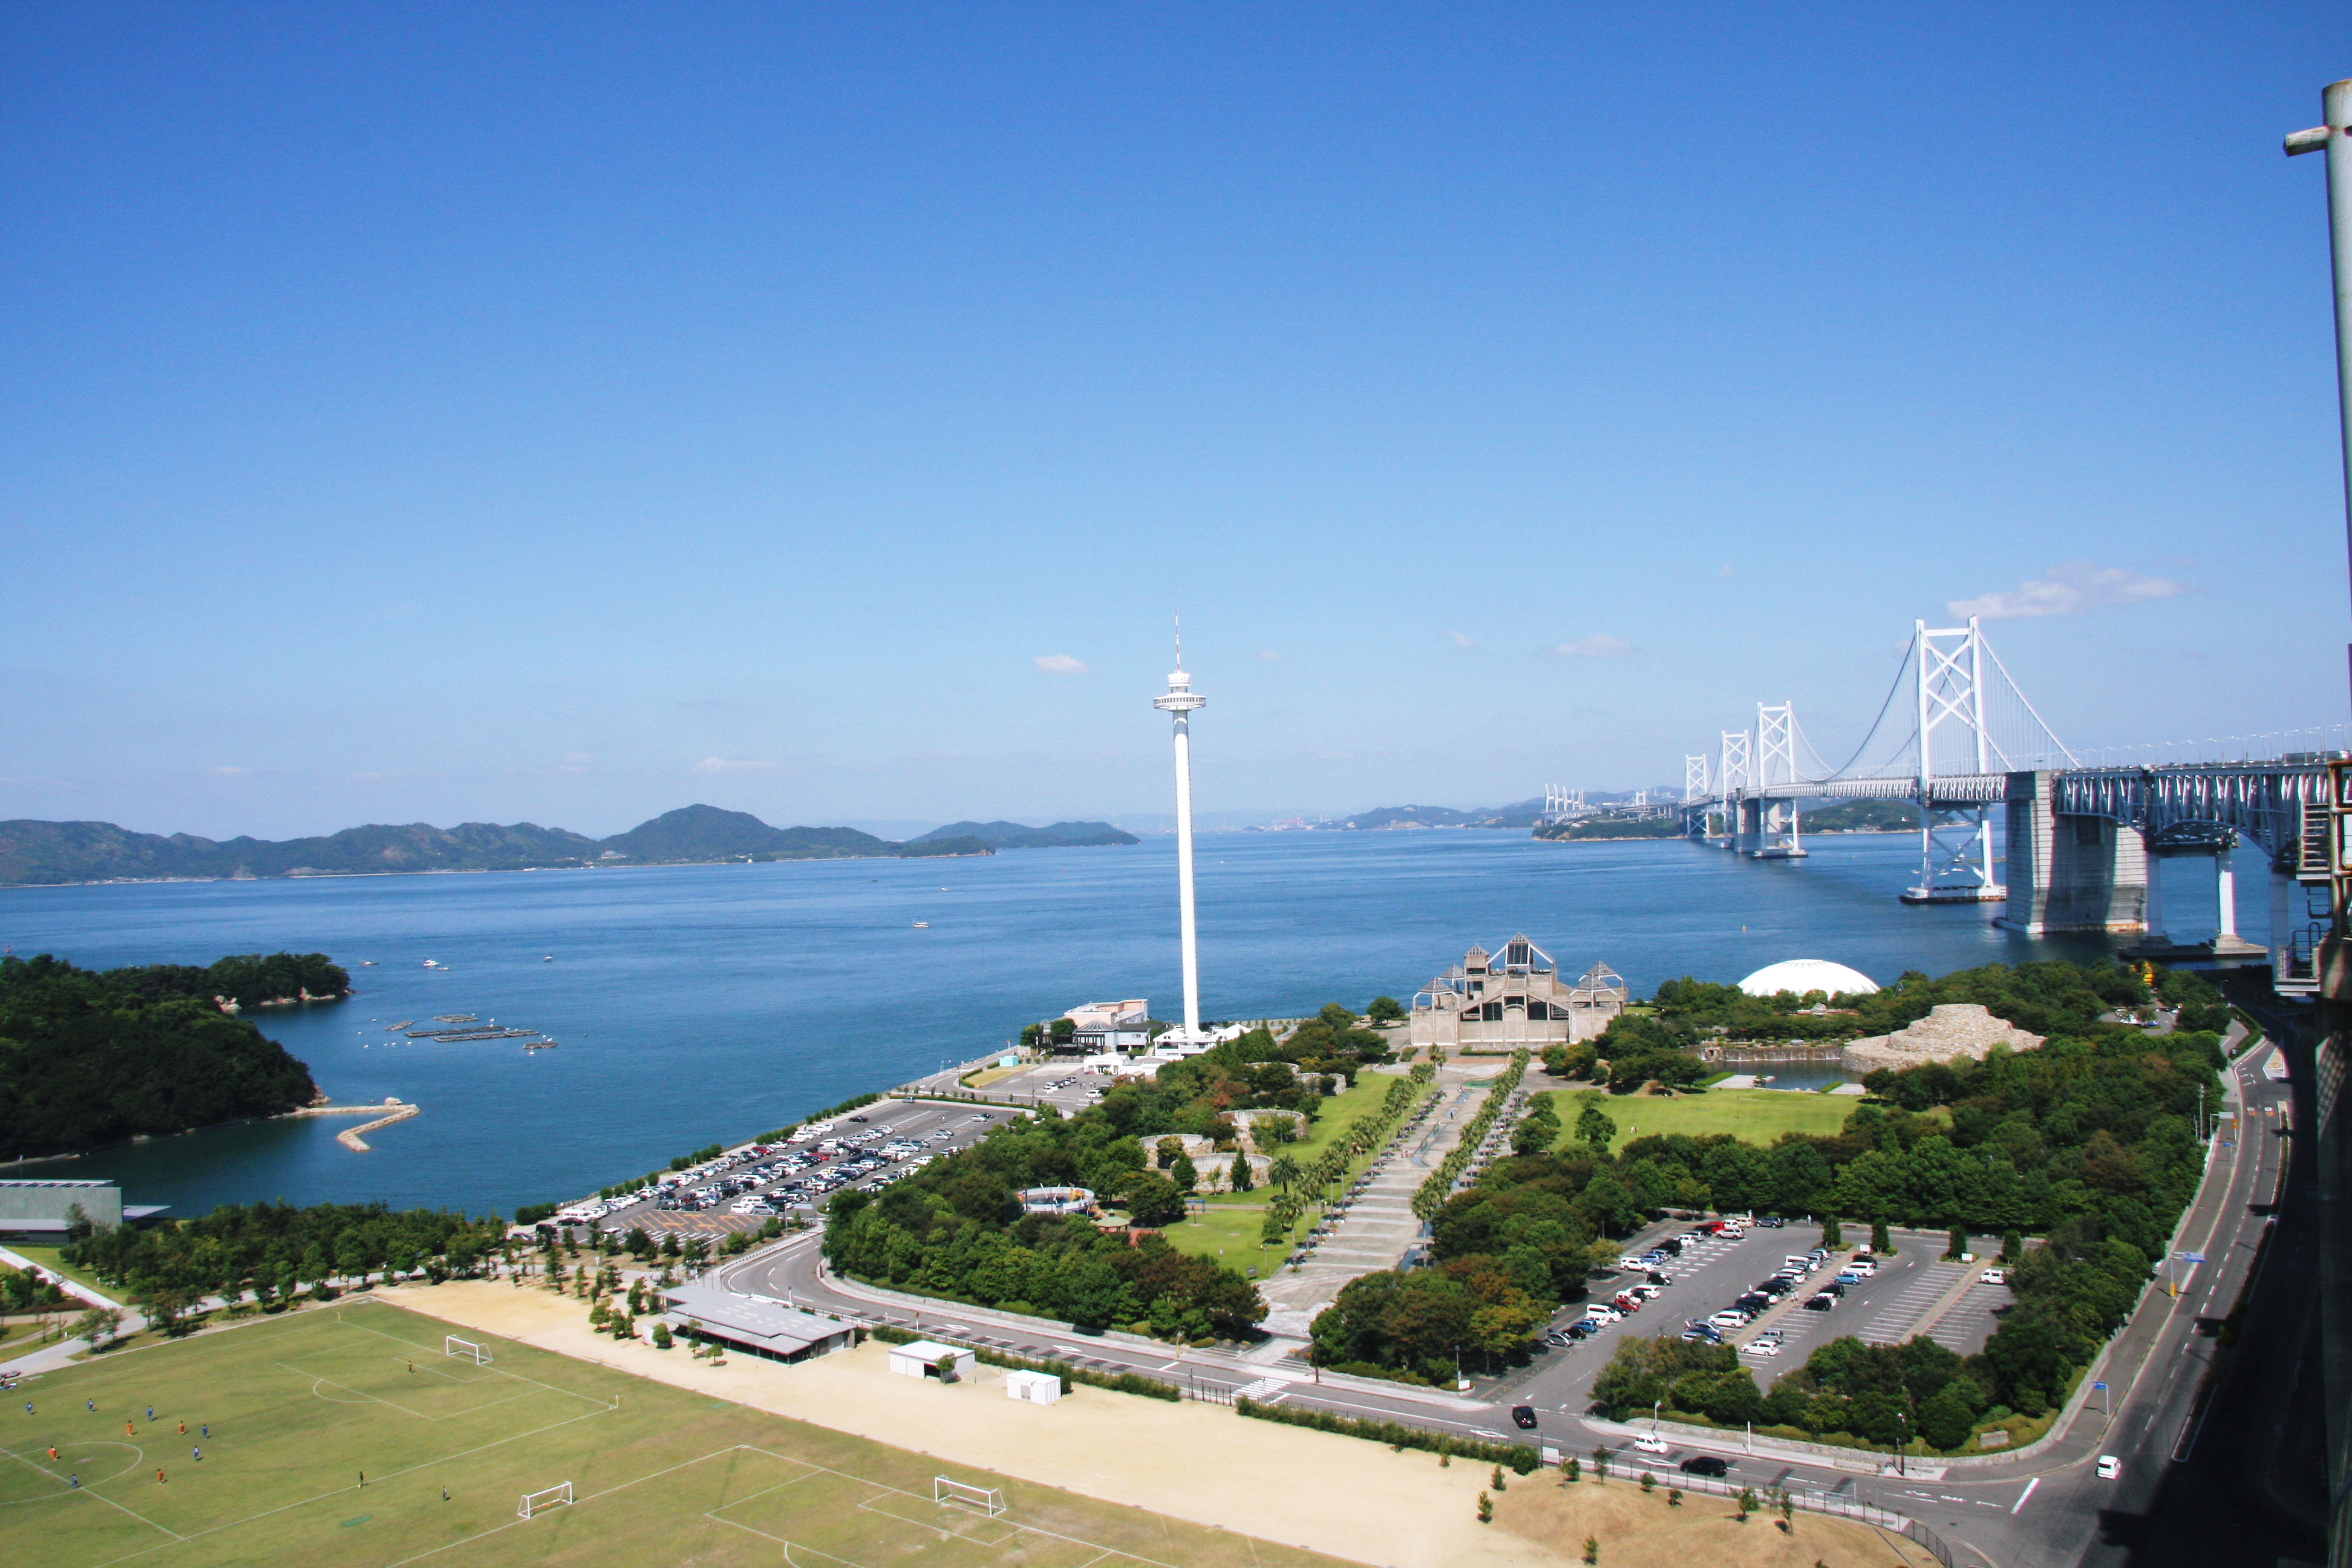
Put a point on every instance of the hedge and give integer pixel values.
(1395, 1434)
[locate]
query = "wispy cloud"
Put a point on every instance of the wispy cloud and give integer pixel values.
(1059, 664)
(1462, 641)
(2073, 587)
(230, 772)
(1599, 644)
(733, 766)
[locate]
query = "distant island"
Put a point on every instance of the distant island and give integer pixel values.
(1015, 836)
(48, 854)
(90, 1058)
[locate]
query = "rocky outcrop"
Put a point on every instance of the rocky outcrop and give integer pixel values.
(1952, 1029)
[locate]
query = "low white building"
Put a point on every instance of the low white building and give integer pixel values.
(929, 1358)
(1106, 1026)
(1035, 1387)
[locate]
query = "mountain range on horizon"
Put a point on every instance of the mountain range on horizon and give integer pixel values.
(48, 854)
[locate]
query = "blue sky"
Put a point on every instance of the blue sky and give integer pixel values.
(569, 412)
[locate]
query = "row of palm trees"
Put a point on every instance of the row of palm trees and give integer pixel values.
(1321, 1180)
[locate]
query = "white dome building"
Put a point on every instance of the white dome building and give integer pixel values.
(1804, 975)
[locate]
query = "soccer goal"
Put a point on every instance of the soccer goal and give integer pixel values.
(452, 1345)
(540, 1502)
(944, 1491)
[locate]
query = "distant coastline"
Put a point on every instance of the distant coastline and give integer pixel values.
(36, 853)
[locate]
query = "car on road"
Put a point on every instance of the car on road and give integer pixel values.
(1523, 1416)
(1654, 1446)
(2109, 1466)
(1705, 1465)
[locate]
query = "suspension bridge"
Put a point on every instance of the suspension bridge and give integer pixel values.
(2081, 837)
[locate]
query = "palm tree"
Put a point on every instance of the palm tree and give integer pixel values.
(1283, 1172)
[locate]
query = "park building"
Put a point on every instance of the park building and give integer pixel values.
(755, 1325)
(48, 1211)
(1106, 1026)
(1514, 999)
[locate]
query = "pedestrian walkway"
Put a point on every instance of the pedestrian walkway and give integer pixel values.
(1380, 1226)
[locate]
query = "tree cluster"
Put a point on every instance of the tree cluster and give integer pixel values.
(274, 1250)
(88, 1059)
(247, 978)
(955, 1229)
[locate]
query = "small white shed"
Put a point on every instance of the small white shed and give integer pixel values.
(1036, 1387)
(927, 1358)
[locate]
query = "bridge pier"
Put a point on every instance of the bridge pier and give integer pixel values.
(2071, 873)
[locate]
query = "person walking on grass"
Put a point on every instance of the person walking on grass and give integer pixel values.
(159, 1474)
(198, 1455)
(129, 1430)
(151, 1412)
(362, 1478)
(53, 1453)
(184, 1428)
(208, 1430)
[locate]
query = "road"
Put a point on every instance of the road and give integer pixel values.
(2042, 1510)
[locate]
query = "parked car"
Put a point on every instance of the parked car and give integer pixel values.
(1523, 1416)
(1728, 1318)
(1820, 1303)
(1705, 1465)
(1656, 1278)
(1993, 1276)
(1771, 1221)
(1760, 1347)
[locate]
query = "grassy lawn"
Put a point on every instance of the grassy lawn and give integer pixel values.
(1339, 1113)
(1229, 1235)
(1752, 1115)
(300, 1407)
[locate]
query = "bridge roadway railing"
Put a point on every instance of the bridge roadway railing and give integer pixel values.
(2265, 801)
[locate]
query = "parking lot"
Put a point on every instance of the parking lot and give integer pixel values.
(744, 1188)
(1911, 1292)
(1064, 1084)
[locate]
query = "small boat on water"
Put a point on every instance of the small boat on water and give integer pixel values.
(922, 925)
(548, 959)
(429, 963)
(539, 1046)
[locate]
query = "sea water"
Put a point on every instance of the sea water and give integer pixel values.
(696, 1004)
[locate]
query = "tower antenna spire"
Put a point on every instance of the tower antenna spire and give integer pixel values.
(1180, 639)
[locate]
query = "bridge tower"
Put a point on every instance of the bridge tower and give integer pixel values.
(1734, 777)
(1778, 837)
(1697, 792)
(1955, 865)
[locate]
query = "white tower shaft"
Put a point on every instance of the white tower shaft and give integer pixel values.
(1178, 703)
(1184, 878)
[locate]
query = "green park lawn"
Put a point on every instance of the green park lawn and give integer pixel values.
(1752, 1115)
(1338, 1113)
(299, 1406)
(1229, 1235)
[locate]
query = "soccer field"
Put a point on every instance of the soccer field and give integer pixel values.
(299, 1407)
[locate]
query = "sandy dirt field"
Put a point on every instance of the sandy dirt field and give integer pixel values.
(1198, 1462)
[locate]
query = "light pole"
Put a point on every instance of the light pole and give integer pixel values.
(2334, 137)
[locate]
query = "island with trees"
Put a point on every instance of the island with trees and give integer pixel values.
(90, 1058)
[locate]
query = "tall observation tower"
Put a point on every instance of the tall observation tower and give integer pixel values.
(1180, 701)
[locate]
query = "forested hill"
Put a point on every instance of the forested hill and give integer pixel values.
(1018, 835)
(88, 1059)
(46, 853)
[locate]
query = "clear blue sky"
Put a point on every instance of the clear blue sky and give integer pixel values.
(569, 411)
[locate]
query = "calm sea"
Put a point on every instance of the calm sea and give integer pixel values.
(701, 1003)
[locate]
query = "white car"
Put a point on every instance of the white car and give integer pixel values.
(2109, 1466)
(1760, 1347)
(1728, 1319)
(1993, 1276)
(1654, 1446)
(1600, 1314)
(1633, 1264)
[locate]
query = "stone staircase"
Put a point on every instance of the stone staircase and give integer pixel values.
(1379, 1226)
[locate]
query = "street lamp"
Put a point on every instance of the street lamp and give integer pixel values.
(2334, 137)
